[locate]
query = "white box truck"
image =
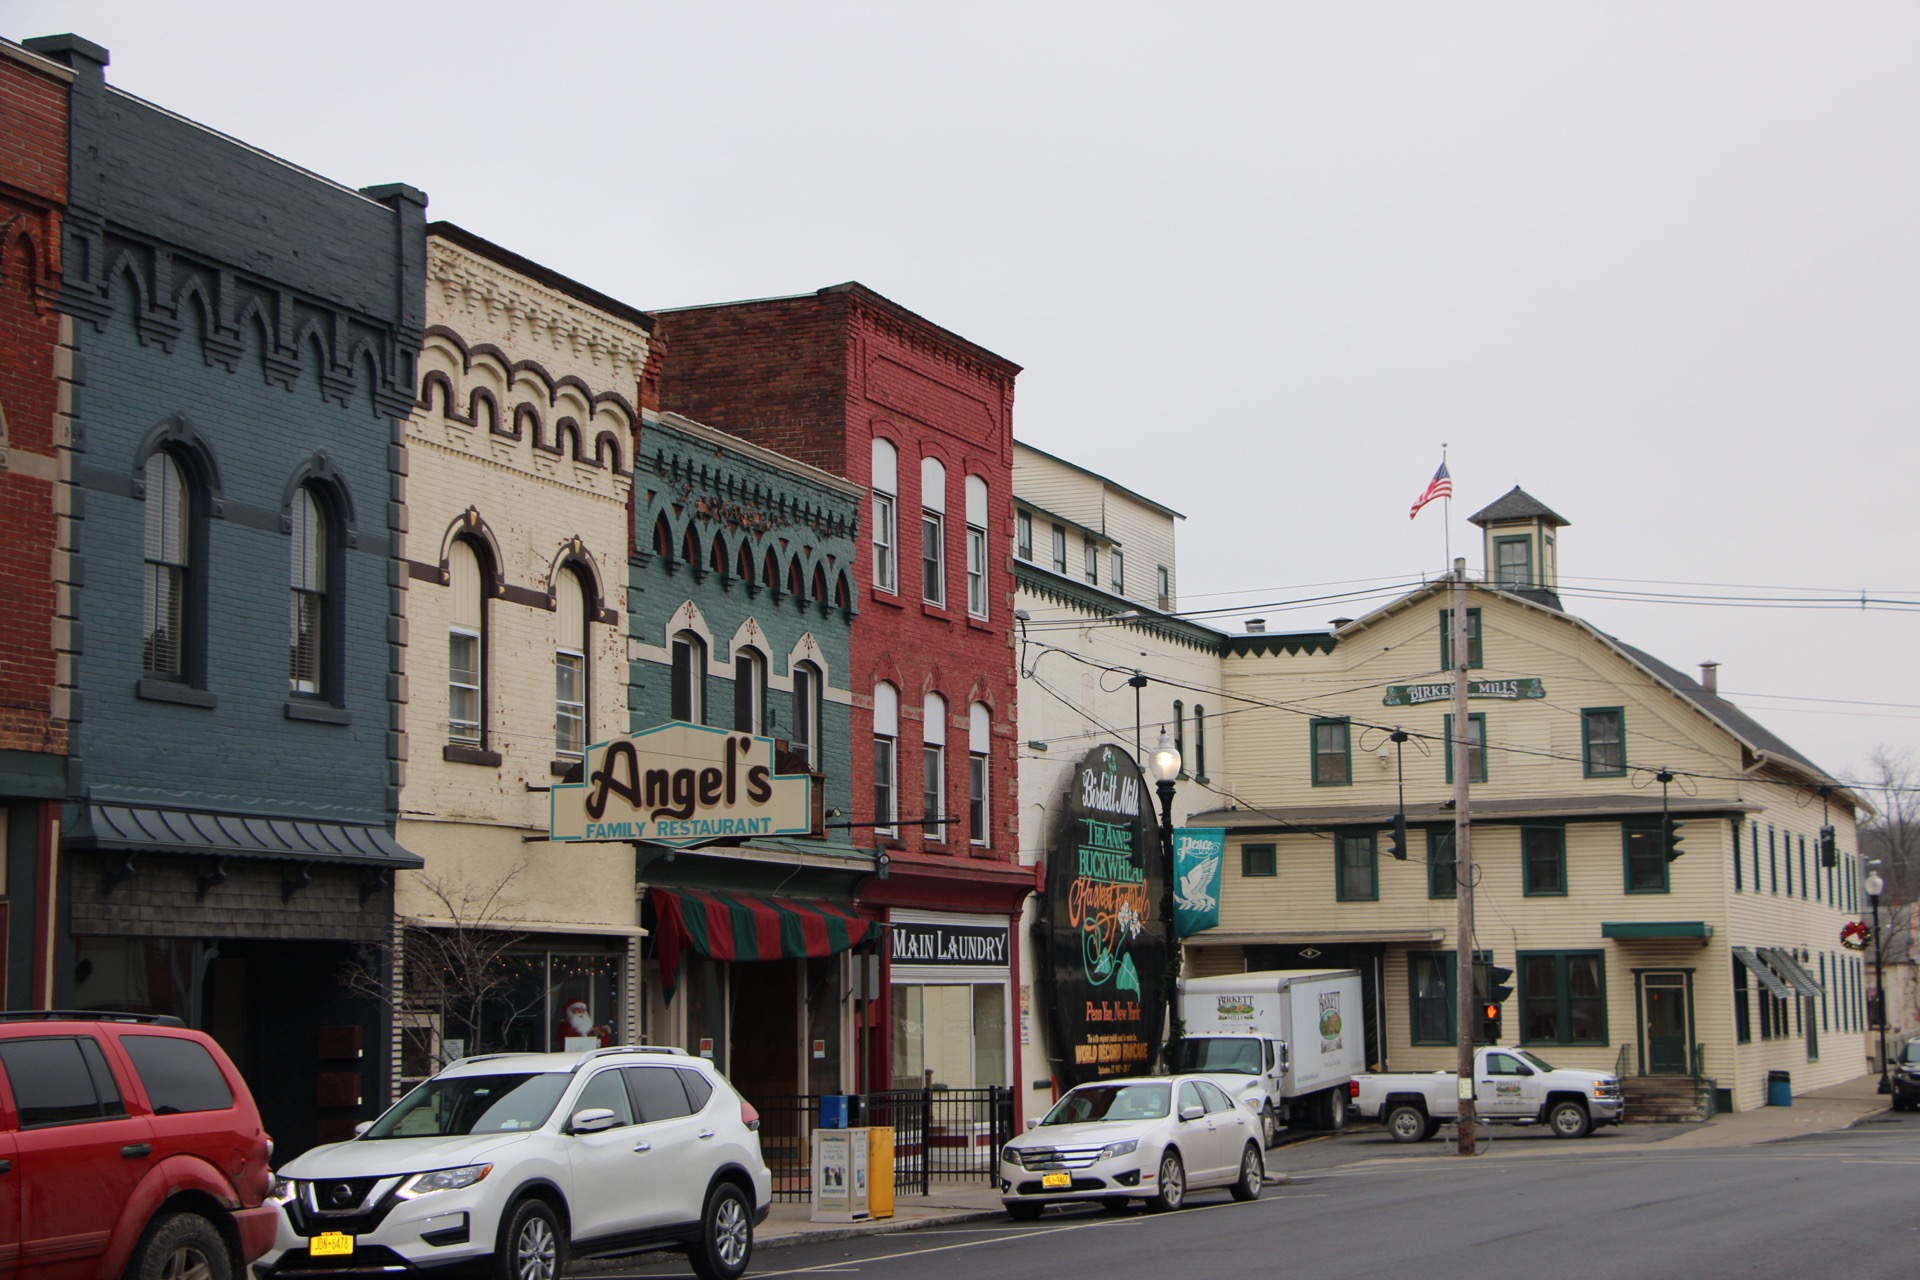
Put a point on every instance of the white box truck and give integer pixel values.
(1285, 1043)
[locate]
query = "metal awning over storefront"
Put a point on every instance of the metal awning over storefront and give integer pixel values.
(1789, 968)
(1655, 930)
(748, 926)
(1768, 978)
(140, 829)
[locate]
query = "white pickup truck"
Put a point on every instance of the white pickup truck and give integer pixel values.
(1511, 1086)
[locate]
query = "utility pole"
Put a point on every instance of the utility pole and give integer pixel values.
(1466, 1000)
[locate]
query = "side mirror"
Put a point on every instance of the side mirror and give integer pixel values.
(1033, 1122)
(592, 1120)
(1525, 1070)
(362, 1127)
(1192, 1113)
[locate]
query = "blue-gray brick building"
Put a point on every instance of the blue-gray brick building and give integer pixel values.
(243, 343)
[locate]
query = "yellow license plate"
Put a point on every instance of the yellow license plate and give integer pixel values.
(330, 1244)
(1052, 1180)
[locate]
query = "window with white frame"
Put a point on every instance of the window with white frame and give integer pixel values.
(933, 531)
(933, 767)
(307, 634)
(689, 679)
(1163, 586)
(569, 665)
(976, 546)
(1059, 548)
(466, 646)
(749, 691)
(1023, 535)
(803, 738)
(979, 752)
(886, 485)
(886, 734)
(1117, 572)
(169, 514)
(1090, 558)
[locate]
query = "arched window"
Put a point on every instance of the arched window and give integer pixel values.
(933, 531)
(466, 647)
(689, 678)
(886, 486)
(933, 768)
(979, 749)
(309, 625)
(168, 571)
(977, 546)
(886, 732)
(749, 691)
(570, 673)
(804, 737)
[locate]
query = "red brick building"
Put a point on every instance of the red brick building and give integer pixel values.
(859, 386)
(33, 738)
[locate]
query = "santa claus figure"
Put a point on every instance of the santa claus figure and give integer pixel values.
(576, 1024)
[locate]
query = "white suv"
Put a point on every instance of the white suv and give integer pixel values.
(508, 1164)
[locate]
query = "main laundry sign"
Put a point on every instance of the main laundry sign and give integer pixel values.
(681, 785)
(1412, 695)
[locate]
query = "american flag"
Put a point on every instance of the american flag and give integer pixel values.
(1441, 486)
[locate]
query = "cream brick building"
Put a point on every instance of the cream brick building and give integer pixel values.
(1720, 965)
(520, 457)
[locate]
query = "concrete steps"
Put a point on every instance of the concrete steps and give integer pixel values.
(1667, 1099)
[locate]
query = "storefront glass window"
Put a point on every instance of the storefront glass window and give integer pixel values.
(950, 1034)
(704, 984)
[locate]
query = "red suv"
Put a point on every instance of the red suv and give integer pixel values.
(128, 1146)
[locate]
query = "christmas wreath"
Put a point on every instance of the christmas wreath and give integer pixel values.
(1855, 936)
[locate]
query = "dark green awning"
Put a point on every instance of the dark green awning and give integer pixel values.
(1650, 930)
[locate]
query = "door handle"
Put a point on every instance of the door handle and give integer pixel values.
(137, 1150)
(706, 1133)
(643, 1146)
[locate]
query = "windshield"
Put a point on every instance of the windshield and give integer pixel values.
(1221, 1054)
(1099, 1102)
(1912, 1053)
(447, 1107)
(1536, 1060)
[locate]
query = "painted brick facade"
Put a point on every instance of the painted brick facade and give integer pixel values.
(819, 377)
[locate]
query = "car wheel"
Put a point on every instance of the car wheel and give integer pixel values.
(1024, 1211)
(530, 1245)
(726, 1235)
(1253, 1175)
(1333, 1110)
(1407, 1123)
(1569, 1120)
(1269, 1127)
(1173, 1183)
(181, 1246)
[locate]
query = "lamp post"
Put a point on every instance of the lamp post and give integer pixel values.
(1163, 766)
(1874, 884)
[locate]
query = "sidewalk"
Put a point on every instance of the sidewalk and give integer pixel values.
(946, 1203)
(1839, 1106)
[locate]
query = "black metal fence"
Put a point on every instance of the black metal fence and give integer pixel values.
(938, 1134)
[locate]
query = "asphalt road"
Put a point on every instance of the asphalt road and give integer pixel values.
(1844, 1204)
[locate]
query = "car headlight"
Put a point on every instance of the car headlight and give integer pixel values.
(282, 1191)
(1009, 1155)
(1113, 1149)
(423, 1184)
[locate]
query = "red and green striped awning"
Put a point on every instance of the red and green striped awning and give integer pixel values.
(747, 926)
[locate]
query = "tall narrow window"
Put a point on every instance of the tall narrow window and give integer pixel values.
(1199, 742)
(1430, 985)
(1474, 654)
(466, 647)
(1603, 742)
(1357, 863)
(886, 485)
(749, 692)
(1180, 733)
(886, 732)
(1117, 573)
(1512, 562)
(1163, 586)
(1059, 548)
(569, 666)
(1090, 558)
(1543, 859)
(1645, 855)
(804, 737)
(1023, 535)
(1332, 766)
(979, 751)
(1476, 746)
(309, 603)
(933, 764)
(976, 546)
(1441, 881)
(689, 697)
(933, 531)
(164, 599)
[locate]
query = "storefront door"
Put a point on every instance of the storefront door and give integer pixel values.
(767, 1028)
(1664, 1022)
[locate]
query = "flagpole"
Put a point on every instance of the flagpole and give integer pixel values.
(1446, 512)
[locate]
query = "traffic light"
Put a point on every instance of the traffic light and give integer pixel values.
(1671, 838)
(1397, 842)
(1829, 848)
(1489, 1024)
(1490, 985)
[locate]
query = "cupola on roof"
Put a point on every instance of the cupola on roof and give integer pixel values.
(1517, 504)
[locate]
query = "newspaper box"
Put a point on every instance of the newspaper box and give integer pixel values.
(840, 1175)
(880, 1171)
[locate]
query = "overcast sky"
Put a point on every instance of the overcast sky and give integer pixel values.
(1657, 263)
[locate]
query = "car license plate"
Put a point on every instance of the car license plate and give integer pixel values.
(1052, 1180)
(330, 1244)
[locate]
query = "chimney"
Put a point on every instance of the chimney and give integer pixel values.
(1255, 626)
(1710, 677)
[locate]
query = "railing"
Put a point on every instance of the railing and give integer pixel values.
(1624, 1061)
(948, 1134)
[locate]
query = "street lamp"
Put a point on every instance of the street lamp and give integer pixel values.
(1874, 884)
(1163, 766)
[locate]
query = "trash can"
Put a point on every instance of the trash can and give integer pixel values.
(834, 1111)
(1779, 1088)
(880, 1171)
